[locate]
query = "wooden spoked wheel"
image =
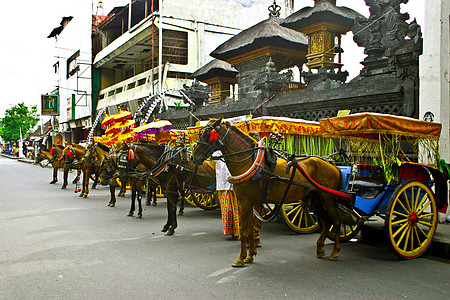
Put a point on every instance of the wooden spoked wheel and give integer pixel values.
(411, 219)
(299, 218)
(348, 232)
(159, 192)
(268, 212)
(206, 201)
(119, 183)
(188, 198)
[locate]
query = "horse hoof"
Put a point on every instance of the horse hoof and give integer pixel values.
(147, 203)
(139, 216)
(63, 187)
(238, 264)
(93, 187)
(170, 232)
(333, 257)
(164, 229)
(154, 204)
(320, 254)
(53, 182)
(130, 214)
(85, 196)
(111, 205)
(248, 260)
(181, 213)
(81, 195)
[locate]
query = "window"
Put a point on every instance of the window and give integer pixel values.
(72, 66)
(175, 47)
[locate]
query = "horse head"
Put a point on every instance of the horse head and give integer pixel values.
(41, 155)
(89, 153)
(108, 168)
(208, 141)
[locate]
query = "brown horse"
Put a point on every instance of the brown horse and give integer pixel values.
(108, 176)
(52, 156)
(238, 149)
(174, 171)
(72, 155)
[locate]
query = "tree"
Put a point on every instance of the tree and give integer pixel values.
(16, 118)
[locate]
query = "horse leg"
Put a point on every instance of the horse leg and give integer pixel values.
(139, 200)
(171, 225)
(182, 194)
(96, 175)
(133, 198)
(246, 236)
(314, 205)
(65, 176)
(75, 180)
(124, 182)
(330, 203)
(122, 191)
(86, 176)
(153, 189)
(149, 194)
(55, 176)
(112, 191)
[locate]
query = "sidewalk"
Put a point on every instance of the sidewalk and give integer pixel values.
(371, 229)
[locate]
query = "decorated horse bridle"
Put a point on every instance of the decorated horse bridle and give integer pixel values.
(216, 143)
(88, 158)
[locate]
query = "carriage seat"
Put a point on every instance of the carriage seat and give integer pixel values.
(366, 189)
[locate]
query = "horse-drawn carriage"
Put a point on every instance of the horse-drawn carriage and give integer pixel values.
(380, 177)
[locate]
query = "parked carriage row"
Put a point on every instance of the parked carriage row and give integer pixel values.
(295, 164)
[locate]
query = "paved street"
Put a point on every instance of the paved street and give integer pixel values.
(55, 245)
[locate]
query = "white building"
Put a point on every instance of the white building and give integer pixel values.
(130, 57)
(73, 73)
(435, 70)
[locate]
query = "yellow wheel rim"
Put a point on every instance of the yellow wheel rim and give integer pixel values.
(347, 232)
(206, 200)
(188, 198)
(411, 219)
(128, 187)
(299, 217)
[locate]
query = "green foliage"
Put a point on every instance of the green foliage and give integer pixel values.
(443, 167)
(16, 118)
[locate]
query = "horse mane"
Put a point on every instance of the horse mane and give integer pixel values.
(246, 137)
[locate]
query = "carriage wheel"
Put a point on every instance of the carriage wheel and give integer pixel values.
(269, 211)
(347, 232)
(159, 192)
(299, 218)
(188, 198)
(206, 201)
(128, 187)
(411, 219)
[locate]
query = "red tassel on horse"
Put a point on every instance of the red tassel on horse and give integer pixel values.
(69, 153)
(213, 136)
(130, 155)
(52, 150)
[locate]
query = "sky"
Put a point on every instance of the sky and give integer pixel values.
(27, 55)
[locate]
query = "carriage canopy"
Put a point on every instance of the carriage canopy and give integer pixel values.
(370, 125)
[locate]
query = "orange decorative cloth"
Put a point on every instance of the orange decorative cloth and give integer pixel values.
(370, 125)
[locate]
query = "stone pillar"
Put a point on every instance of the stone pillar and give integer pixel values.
(434, 100)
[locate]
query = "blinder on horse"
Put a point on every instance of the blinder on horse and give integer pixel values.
(210, 140)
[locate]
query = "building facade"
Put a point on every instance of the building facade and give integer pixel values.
(74, 74)
(132, 58)
(435, 70)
